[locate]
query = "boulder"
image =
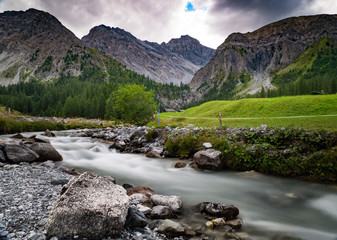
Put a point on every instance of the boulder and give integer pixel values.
(226, 211)
(208, 159)
(135, 218)
(173, 202)
(161, 212)
(18, 136)
(48, 133)
(89, 206)
(19, 153)
(46, 151)
(174, 229)
(155, 152)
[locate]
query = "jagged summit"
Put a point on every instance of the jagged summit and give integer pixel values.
(174, 62)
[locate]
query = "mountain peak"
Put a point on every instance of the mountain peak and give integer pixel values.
(191, 49)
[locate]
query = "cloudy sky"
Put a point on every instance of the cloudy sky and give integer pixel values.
(210, 21)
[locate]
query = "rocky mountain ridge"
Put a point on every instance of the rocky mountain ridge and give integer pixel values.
(245, 63)
(173, 62)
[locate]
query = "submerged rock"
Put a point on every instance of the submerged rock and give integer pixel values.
(208, 159)
(173, 229)
(89, 206)
(48, 133)
(226, 211)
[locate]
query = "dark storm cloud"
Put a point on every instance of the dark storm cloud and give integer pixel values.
(274, 8)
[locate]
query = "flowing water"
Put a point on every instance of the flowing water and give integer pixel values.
(269, 206)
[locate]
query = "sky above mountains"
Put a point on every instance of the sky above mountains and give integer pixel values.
(209, 21)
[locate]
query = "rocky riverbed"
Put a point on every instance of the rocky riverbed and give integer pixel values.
(27, 194)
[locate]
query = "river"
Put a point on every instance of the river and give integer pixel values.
(270, 206)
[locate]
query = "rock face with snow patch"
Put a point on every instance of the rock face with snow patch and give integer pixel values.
(90, 207)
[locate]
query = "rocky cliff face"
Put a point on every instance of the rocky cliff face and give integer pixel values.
(35, 44)
(245, 62)
(175, 62)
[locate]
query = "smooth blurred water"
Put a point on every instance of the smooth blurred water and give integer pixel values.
(268, 205)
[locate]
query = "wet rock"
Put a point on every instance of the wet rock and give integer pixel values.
(235, 223)
(48, 133)
(209, 224)
(89, 206)
(18, 136)
(2, 164)
(161, 212)
(207, 145)
(46, 151)
(218, 222)
(208, 159)
(140, 189)
(135, 218)
(174, 229)
(19, 153)
(173, 202)
(127, 186)
(180, 165)
(155, 152)
(226, 211)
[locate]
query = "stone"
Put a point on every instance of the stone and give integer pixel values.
(161, 212)
(48, 133)
(209, 224)
(144, 209)
(173, 229)
(2, 164)
(155, 152)
(207, 145)
(208, 159)
(140, 189)
(18, 136)
(20, 153)
(89, 206)
(126, 186)
(141, 198)
(135, 218)
(226, 211)
(48, 164)
(46, 151)
(235, 223)
(173, 202)
(218, 222)
(180, 165)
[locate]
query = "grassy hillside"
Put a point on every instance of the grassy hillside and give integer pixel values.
(295, 111)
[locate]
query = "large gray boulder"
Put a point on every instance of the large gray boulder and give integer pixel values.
(46, 151)
(89, 206)
(208, 159)
(19, 153)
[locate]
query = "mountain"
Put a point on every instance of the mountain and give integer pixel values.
(264, 59)
(175, 62)
(34, 44)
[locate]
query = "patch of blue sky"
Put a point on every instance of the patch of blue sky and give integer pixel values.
(189, 7)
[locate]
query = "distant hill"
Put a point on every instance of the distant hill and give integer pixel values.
(175, 62)
(289, 57)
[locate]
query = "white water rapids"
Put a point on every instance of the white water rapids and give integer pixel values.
(270, 206)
